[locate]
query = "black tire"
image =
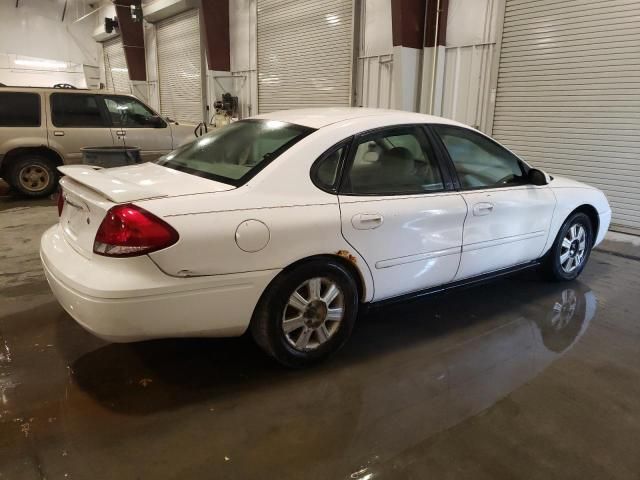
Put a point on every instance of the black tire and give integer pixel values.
(44, 174)
(553, 265)
(267, 322)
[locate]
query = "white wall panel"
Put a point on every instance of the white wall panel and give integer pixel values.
(242, 31)
(466, 83)
(35, 29)
(468, 60)
(376, 28)
(305, 53)
(19, 70)
(374, 69)
(568, 94)
(375, 82)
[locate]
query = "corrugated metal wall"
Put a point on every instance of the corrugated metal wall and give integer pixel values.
(375, 81)
(180, 67)
(305, 54)
(568, 96)
(115, 66)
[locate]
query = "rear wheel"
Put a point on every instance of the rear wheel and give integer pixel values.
(307, 313)
(33, 175)
(571, 249)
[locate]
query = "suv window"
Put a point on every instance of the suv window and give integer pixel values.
(480, 162)
(394, 161)
(76, 110)
(18, 109)
(129, 112)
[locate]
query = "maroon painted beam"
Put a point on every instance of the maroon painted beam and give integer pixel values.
(436, 25)
(215, 16)
(407, 22)
(132, 40)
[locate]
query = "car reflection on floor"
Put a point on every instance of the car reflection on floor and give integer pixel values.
(400, 382)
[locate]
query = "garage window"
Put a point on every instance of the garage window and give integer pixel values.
(19, 109)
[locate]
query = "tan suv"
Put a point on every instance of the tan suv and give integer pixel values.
(42, 128)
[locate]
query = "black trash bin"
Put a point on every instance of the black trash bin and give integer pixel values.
(107, 157)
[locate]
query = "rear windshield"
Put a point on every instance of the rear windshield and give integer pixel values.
(236, 152)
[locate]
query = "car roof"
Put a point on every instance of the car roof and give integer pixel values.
(10, 88)
(321, 117)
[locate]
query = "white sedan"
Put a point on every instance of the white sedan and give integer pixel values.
(288, 223)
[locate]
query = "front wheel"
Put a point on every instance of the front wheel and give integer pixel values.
(571, 249)
(307, 313)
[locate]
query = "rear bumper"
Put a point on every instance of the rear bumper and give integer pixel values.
(124, 300)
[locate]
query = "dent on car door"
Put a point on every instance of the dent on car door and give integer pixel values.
(509, 218)
(135, 125)
(398, 213)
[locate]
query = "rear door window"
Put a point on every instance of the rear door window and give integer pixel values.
(76, 110)
(19, 109)
(393, 161)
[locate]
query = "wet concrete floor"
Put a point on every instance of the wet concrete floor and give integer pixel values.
(515, 379)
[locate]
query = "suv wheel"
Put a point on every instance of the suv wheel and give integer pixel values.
(33, 175)
(306, 314)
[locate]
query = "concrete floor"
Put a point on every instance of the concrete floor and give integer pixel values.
(515, 379)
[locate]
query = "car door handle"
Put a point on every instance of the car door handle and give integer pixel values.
(121, 133)
(367, 221)
(58, 133)
(483, 208)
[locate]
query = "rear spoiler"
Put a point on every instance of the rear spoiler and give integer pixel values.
(114, 189)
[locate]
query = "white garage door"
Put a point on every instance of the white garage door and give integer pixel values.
(305, 54)
(115, 66)
(180, 67)
(568, 97)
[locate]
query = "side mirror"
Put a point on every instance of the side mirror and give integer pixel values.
(538, 177)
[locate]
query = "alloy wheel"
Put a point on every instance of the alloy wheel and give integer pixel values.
(313, 313)
(573, 248)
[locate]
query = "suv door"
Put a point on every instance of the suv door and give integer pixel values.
(399, 213)
(77, 120)
(136, 125)
(509, 218)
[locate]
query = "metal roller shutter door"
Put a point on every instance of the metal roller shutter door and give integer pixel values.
(180, 67)
(568, 96)
(115, 66)
(305, 54)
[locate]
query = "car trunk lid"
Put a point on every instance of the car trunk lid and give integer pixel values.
(140, 182)
(90, 192)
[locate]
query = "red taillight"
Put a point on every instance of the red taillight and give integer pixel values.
(60, 202)
(128, 230)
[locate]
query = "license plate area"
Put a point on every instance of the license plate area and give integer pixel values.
(75, 218)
